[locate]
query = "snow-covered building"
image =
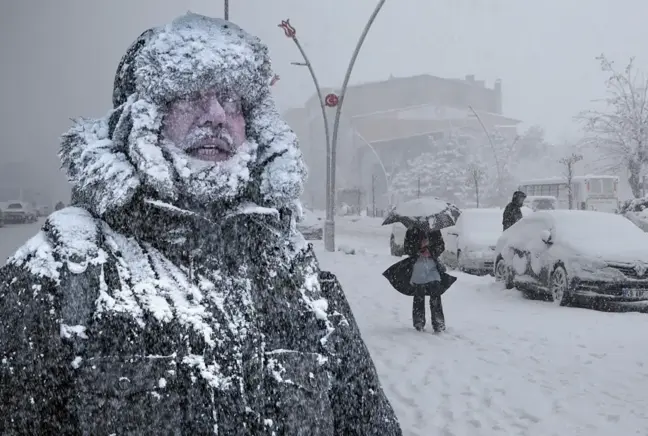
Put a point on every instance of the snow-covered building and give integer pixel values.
(383, 124)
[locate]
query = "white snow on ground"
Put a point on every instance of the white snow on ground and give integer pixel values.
(13, 236)
(506, 365)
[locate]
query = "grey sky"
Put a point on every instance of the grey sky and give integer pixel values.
(58, 57)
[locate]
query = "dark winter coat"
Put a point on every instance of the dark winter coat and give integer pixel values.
(168, 304)
(513, 210)
(400, 274)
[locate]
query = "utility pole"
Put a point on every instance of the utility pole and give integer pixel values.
(227, 10)
(569, 162)
(332, 100)
(418, 187)
(373, 195)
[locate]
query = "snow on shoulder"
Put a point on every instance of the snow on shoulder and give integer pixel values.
(69, 237)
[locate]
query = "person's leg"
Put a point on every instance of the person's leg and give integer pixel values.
(418, 311)
(437, 316)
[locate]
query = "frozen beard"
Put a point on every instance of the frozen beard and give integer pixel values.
(207, 181)
(214, 145)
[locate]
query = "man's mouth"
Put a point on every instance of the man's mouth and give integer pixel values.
(212, 148)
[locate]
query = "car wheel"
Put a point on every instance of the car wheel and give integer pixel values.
(503, 274)
(559, 286)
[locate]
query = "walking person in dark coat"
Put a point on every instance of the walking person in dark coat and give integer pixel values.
(426, 247)
(422, 274)
(513, 210)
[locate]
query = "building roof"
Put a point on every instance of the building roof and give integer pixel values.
(377, 128)
(416, 90)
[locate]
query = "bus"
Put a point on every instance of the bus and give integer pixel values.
(590, 192)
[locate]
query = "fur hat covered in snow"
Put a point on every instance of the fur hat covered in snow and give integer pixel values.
(110, 160)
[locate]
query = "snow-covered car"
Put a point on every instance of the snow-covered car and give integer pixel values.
(470, 244)
(541, 202)
(570, 254)
(636, 210)
(19, 212)
(310, 226)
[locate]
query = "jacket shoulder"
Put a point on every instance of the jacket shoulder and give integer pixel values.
(69, 238)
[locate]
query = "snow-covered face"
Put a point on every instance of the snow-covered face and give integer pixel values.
(209, 126)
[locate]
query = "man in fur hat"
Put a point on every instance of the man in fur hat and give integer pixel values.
(175, 296)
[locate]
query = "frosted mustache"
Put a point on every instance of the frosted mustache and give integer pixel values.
(197, 136)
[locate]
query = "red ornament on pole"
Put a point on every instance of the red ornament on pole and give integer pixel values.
(331, 100)
(288, 29)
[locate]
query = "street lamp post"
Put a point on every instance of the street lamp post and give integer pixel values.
(291, 33)
(490, 140)
(329, 236)
(332, 100)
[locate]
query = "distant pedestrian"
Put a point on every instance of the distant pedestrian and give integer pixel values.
(513, 210)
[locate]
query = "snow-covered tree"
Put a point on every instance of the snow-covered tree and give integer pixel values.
(620, 131)
(440, 172)
(568, 163)
(476, 173)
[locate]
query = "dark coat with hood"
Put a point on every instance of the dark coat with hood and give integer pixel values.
(400, 274)
(174, 298)
(513, 210)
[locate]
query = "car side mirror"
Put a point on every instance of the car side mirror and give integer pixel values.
(546, 237)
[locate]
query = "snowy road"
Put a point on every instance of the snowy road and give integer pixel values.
(506, 365)
(13, 236)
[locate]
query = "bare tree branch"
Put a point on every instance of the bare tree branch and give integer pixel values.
(620, 132)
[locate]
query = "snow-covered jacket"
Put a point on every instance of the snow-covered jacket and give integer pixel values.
(173, 299)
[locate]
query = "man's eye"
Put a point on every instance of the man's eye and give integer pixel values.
(232, 105)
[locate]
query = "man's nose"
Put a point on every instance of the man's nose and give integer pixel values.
(213, 113)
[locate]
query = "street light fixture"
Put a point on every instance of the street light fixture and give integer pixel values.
(332, 100)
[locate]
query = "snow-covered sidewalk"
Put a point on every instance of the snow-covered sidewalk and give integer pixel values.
(506, 365)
